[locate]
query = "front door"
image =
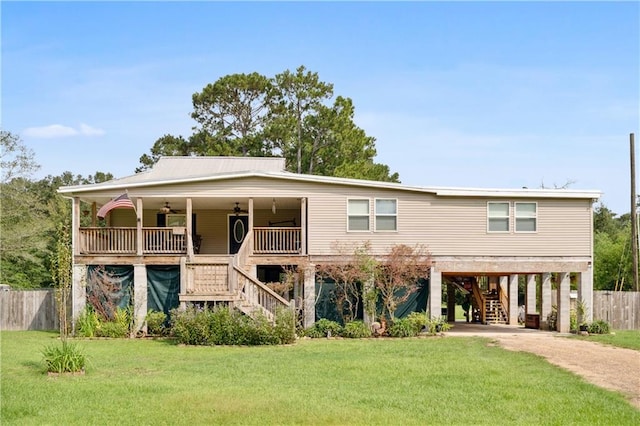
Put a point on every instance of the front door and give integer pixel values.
(238, 228)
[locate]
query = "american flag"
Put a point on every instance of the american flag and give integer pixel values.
(122, 201)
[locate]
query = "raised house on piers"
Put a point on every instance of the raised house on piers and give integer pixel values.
(220, 228)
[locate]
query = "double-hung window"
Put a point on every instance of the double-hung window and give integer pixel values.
(498, 217)
(358, 215)
(526, 217)
(386, 214)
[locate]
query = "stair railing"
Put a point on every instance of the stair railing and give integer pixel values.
(480, 301)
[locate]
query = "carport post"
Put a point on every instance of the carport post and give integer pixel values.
(564, 298)
(545, 299)
(435, 293)
(513, 299)
(140, 297)
(531, 294)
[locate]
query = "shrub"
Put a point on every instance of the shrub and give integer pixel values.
(118, 328)
(324, 328)
(156, 322)
(402, 327)
(87, 323)
(67, 358)
(356, 330)
(599, 327)
(191, 326)
(437, 324)
(285, 328)
(420, 320)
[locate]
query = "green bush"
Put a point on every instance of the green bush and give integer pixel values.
(356, 330)
(324, 328)
(420, 320)
(118, 328)
(224, 326)
(402, 327)
(156, 323)
(285, 328)
(438, 324)
(67, 358)
(87, 323)
(599, 327)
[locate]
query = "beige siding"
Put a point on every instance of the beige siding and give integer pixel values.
(448, 226)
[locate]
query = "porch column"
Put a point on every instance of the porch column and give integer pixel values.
(545, 300)
(513, 299)
(75, 226)
(139, 297)
(564, 300)
(184, 278)
(303, 225)
(435, 293)
(530, 305)
(309, 303)
(585, 293)
(451, 303)
(139, 237)
(78, 292)
(189, 223)
(94, 211)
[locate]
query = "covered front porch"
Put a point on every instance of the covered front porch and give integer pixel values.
(191, 226)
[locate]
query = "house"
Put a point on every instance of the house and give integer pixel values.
(219, 228)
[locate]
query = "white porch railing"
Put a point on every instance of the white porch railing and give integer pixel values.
(108, 240)
(277, 240)
(164, 240)
(209, 279)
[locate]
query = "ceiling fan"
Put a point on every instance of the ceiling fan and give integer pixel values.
(237, 210)
(167, 208)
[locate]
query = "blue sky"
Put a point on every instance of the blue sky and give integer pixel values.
(504, 94)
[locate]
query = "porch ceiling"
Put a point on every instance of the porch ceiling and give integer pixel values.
(209, 203)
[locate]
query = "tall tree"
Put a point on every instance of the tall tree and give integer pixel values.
(235, 109)
(288, 115)
(297, 97)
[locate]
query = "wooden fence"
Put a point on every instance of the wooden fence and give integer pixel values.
(621, 309)
(28, 310)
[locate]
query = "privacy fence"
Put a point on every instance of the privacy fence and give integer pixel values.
(36, 309)
(28, 310)
(621, 309)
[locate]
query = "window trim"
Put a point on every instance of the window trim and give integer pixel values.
(375, 214)
(349, 216)
(516, 217)
(508, 217)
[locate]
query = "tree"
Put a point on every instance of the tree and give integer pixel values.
(297, 97)
(235, 109)
(399, 274)
(349, 276)
(288, 115)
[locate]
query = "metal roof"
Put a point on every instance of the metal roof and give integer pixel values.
(173, 170)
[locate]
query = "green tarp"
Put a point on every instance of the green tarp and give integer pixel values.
(326, 305)
(163, 287)
(109, 287)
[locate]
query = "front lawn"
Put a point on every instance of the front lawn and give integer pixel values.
(373, 381)
(622, 338)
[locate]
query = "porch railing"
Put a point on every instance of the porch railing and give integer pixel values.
(164, 240)
(277, 240)
(121, 240)
(108, 240)
(259, 295)
(207, 279)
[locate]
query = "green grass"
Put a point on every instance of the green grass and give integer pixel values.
(621, 338)
(374, 381)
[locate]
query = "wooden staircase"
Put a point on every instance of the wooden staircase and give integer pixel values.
(494, 311)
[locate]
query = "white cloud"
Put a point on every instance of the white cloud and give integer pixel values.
(60, 131)
(87, 130)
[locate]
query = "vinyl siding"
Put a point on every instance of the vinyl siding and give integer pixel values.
(447, 226)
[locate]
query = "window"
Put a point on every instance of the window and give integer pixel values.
(358, 215)
(498, 217)
(386, 215)
(176, 220)
(526, 217)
